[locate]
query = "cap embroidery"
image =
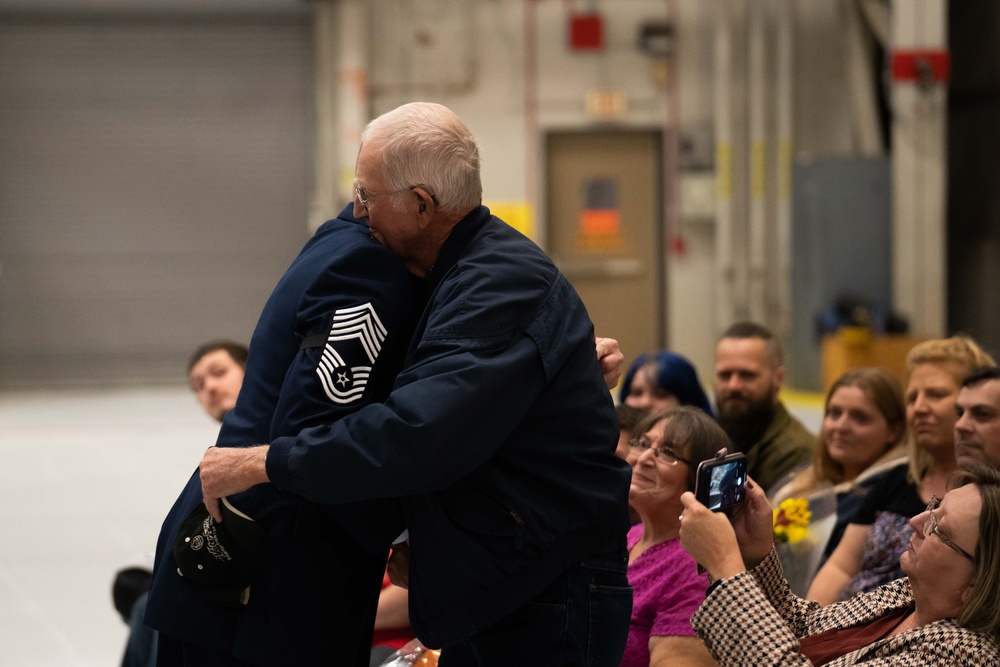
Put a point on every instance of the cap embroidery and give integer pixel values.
(212, 540)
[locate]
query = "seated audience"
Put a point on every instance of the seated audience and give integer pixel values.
(864, 423)
(977, 431)
(944, 612)
(749, 372)
(628, 419)
(668, 587)
(215, 375)
(868, 553)
(392, 622)
(660, 381)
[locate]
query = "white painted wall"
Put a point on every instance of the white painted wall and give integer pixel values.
(424, 57)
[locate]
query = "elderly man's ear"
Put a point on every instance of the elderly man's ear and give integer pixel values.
(422, 199)
(425, 204)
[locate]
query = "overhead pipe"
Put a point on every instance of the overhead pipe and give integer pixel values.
(339, 84)
(531, 138)
(757, 231)
(784, 86)
(725, 271)
(671, 148)
(861, 81)
(919, 164)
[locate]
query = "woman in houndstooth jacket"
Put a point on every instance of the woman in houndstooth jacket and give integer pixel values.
(944, 612)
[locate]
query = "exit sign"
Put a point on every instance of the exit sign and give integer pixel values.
(605, 104)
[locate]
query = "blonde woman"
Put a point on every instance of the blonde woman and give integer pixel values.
(868, 553)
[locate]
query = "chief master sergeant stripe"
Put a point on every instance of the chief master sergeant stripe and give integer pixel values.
(342, 368)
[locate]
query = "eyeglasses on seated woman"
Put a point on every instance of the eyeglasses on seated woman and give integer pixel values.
(664, 452)
(945, 611)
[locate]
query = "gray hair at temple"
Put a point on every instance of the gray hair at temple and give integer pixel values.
(982, 610)
(426, 144)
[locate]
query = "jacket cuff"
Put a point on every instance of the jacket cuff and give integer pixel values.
(759, 635)
(769, 570)
(277, 463)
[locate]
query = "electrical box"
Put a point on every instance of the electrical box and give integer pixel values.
(586, 32)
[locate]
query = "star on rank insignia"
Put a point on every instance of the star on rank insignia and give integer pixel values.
(352, 346)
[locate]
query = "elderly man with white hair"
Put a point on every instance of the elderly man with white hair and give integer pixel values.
(499, 433)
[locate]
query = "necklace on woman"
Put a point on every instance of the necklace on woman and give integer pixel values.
(907, 623)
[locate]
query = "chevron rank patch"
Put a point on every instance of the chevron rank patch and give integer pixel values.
(352, 346)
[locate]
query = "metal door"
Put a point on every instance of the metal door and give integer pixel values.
(604, 213)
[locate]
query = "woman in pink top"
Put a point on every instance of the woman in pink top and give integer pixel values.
(668, 589)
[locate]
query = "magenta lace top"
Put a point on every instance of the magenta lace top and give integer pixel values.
(668, 590)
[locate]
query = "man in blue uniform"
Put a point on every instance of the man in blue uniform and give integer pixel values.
(215, 375)
(499, 434)
(329, 340)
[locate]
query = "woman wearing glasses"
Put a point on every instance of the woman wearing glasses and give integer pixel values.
(664, 457)
(868, 553)
(945, 611)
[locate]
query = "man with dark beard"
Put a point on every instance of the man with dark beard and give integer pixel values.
(748, 374)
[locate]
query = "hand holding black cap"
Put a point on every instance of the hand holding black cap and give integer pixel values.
(220, 560)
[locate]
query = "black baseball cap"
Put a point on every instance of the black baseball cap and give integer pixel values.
(220, 560)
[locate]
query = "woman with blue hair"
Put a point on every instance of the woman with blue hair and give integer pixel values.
(660, 381)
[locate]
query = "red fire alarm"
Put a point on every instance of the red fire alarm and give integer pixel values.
(586, 32)
(923, 66)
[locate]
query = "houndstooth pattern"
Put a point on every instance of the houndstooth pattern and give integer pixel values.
(754, 620)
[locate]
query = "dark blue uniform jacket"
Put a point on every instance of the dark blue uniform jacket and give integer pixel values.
(499, 435)
(347, 287)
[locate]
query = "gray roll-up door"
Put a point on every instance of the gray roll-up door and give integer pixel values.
(154, 183)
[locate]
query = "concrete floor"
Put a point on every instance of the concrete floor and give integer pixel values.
(85, 481)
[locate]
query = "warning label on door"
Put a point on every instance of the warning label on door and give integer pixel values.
(600, 226)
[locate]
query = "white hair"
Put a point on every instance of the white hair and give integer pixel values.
(426, 144)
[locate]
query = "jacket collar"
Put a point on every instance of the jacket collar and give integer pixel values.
(455, 246)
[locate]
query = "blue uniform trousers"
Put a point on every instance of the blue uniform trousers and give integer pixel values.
(581, 619)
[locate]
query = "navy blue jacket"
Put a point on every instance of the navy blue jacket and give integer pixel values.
(499, 435)
(356, 296)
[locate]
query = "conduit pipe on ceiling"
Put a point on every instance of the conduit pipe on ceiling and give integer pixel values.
(341, 104)
(757, 259)
(352, 92)
(861, 81)
(725, 272)
(323, 204)
(531, 138)
(671, 147)
(919, 169)
(784, 83)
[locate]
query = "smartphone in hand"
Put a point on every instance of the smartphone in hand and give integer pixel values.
(721, 482)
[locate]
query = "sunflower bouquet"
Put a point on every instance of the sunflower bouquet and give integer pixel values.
(791, 521)
(802, 527)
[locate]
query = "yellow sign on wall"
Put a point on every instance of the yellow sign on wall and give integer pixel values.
(517, 214)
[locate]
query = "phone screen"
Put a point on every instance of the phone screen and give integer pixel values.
(721, 484)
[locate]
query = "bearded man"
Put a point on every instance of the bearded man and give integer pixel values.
(749, 371)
